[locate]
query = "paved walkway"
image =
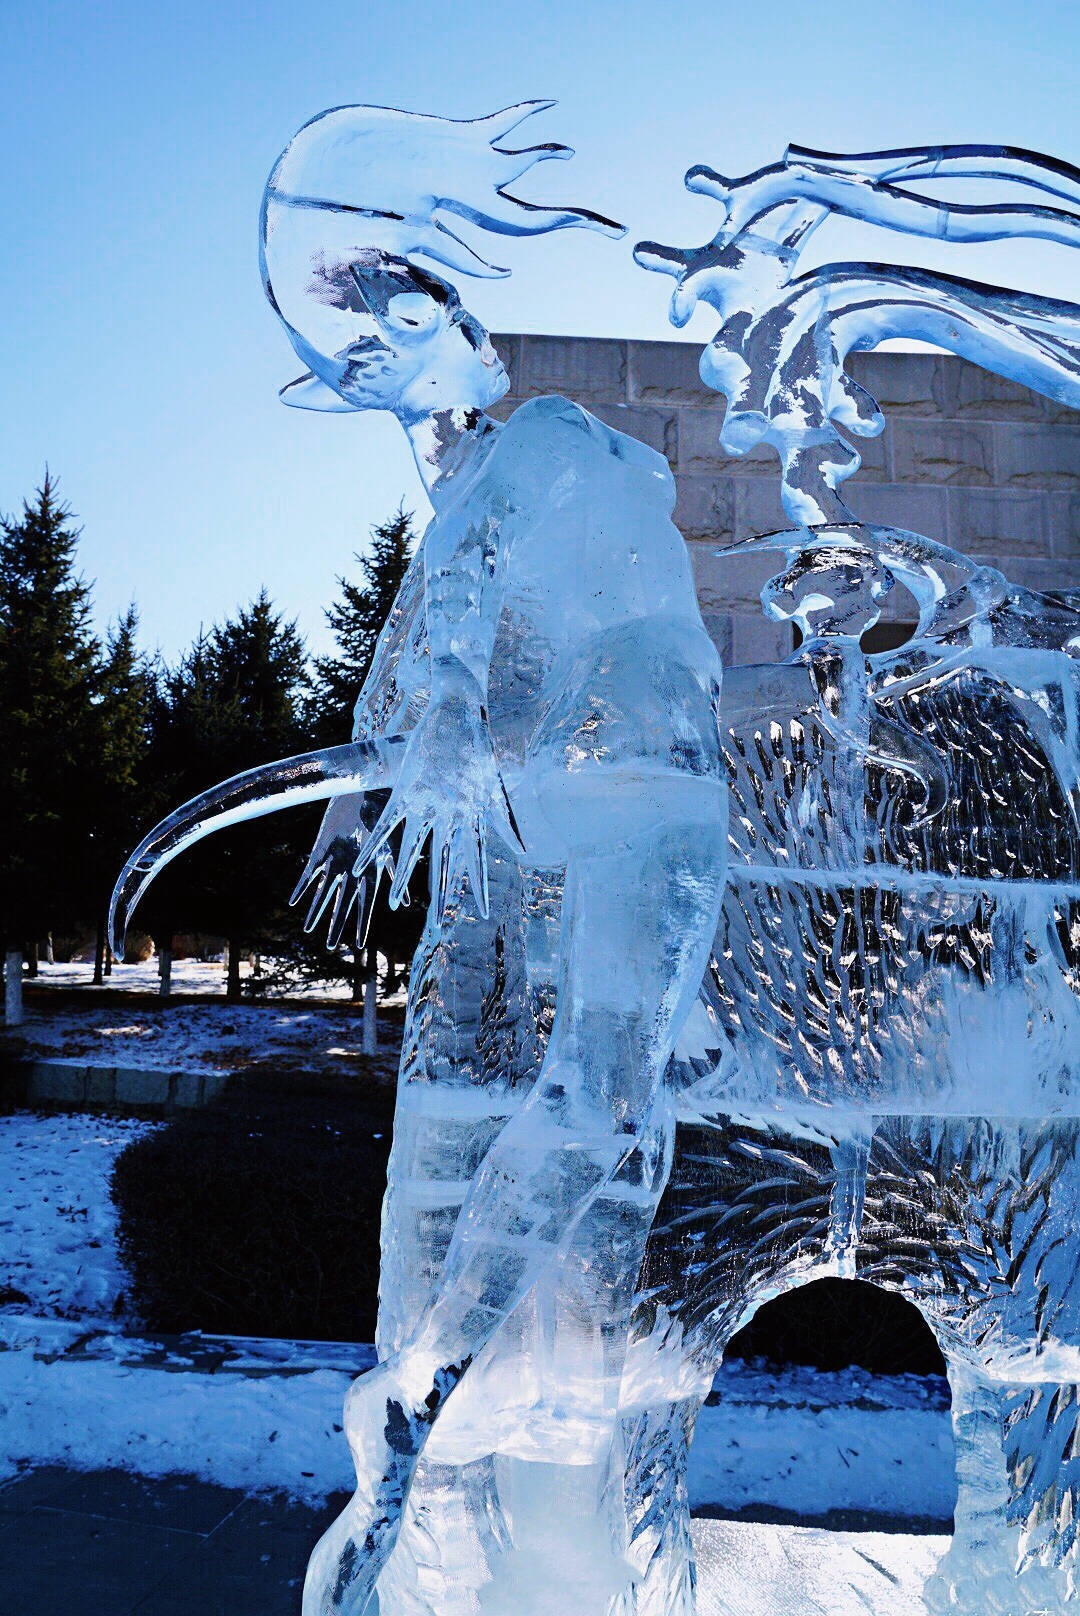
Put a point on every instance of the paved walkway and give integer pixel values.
(105, 1543)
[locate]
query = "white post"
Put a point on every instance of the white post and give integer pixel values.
(165, 973)
(49, 956)
(13, 1005)
(371, 1001)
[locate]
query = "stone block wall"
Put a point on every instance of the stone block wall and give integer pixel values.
(967, 458)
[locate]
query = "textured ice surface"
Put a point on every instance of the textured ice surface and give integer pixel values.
(780, 351)
(746, 1568)
(663, 1061)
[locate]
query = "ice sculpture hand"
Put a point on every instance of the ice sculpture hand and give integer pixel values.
(449, 786)
(328, 882)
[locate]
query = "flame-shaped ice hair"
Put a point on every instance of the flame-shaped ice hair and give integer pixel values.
(780, 352)
(398, 173)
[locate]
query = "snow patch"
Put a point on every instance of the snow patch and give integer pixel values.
(58, 1225)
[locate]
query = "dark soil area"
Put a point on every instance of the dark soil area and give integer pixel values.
(259, 1214)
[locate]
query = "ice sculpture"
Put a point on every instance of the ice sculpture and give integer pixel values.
(779, 354)
(873, 1073)
(561, 717)
(891, 1083)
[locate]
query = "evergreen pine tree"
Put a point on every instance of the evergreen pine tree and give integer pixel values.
(49, 672)
(117, 790)
(233, 703)
(356, 619)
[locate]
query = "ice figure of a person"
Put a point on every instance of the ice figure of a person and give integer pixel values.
(591, 748)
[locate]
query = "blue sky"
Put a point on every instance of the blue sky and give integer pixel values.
(140, 359)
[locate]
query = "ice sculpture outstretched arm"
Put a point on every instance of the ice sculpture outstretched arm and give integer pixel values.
(864, 186)
(394, 695)
(334, 771)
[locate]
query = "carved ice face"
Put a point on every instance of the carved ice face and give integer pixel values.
(376, 331)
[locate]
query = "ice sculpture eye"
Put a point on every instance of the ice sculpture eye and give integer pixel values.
(412, 311)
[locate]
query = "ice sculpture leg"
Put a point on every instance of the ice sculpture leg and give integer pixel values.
(471, 1051)
(971, 1218)
(656, 1443)
(748, 1212)
(986, 1571)
(590, 1147)
(454, 1530)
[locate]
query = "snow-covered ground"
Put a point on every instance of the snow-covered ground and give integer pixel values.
(57, 1223)
(204, 977)
(94, 1405)
(74, 1390)
(165, 1036)
(748, 1568)
(809, 1443)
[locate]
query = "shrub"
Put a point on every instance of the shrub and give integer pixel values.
(259, 1214)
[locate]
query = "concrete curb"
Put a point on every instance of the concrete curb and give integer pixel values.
(53, 1339)
(119, 1088)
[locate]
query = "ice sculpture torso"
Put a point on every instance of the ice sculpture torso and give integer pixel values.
(588, 570)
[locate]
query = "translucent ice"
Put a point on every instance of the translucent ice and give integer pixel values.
(658, 1065)
(887, 1075)
(779, 353)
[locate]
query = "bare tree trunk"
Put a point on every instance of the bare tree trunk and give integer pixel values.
(232, 980)
(356, 979)
(371, 1002)
(99, 951)
(165, 970)
(13, 1002)
(49, 958)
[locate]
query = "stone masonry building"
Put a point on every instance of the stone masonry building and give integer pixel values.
(976, 462)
